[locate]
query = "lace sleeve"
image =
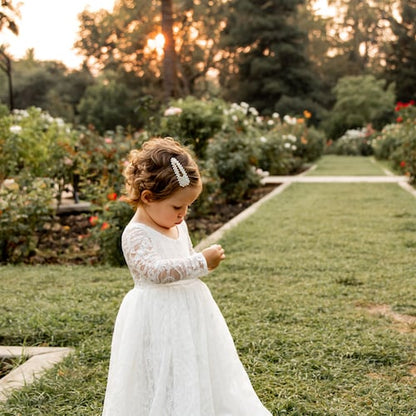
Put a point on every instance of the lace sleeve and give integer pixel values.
(146, 263)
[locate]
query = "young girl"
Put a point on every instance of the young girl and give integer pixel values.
(172, 353)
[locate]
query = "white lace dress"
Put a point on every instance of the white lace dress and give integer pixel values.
(172, 353)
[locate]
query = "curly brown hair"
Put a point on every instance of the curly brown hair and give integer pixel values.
(150, 169)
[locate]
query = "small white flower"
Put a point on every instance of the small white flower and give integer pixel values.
(294, 147)
(263, 139)
(287, 145)
(253, 111)
(270, 122)
(244, 105)
(291, 137)
(289, 120)
(15, 129)
(172, 111)
(259, 120)
(275, 115)
(234, 118)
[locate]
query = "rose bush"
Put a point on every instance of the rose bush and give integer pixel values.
(397, 141)
(233, 144)
(26, 205)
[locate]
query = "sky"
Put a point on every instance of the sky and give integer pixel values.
(50, 27)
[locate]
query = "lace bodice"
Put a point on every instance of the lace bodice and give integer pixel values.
(153, 257)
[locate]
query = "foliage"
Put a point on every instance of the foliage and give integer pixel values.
(48, 85)
(107, 105)
(193, 122)
(99, 161)
(360, 100)
(356, 32)
(400, 66)
(397, 142)
(26, 204)
(267, 64)
(103, 39)
(289, 145)
(235, 158)
(353, 143)
(9, 13)
(33, 141)
(108, 225)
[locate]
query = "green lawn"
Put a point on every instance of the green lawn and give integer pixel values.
(295, 290)
(347, 166)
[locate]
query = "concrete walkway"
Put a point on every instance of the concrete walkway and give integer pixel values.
(39, 360)
(335, 179)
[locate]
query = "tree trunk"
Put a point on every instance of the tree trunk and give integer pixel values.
(7, 68)
(170, 83)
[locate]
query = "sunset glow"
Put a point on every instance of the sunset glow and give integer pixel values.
(322, 8)
(156, 44)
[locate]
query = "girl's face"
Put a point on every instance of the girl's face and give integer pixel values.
(171, 211)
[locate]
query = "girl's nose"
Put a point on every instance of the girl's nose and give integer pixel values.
(183, 213)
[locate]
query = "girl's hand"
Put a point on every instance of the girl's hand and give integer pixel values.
(213, 255)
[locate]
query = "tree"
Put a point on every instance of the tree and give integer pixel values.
(120, 40)
(268, 63)
(401, 59)
(359, 31)
(6, 67)
(169, 56)
(360, 100)
(48, 85)
(8, 14)
(108, 104)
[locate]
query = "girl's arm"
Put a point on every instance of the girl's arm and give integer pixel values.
(146, 263)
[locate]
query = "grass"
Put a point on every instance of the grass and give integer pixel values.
(347, 166)
(299, 276)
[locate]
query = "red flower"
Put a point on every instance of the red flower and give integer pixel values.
(93, 220)
(399, 119)
(105, 226)
(402, 164)
(112, 196)
(401, 105)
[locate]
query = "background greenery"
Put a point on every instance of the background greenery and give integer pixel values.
(226, 49)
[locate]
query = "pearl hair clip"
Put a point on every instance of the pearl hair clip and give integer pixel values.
(180, 172)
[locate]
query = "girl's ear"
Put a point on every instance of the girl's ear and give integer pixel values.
(146, 197)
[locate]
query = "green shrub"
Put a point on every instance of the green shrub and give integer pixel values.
(235, 159)
(108, 224)
(33, 141)
(397, 142)
(360, 100)
(26, 204)
(289, 145)
(387, 141)
(355, 142)
(99, 161)
(192, 122)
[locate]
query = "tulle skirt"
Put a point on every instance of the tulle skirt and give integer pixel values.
(172, 355)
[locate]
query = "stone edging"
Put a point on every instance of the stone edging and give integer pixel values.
(41, 359)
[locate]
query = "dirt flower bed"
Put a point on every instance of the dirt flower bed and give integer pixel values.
(66, 241)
